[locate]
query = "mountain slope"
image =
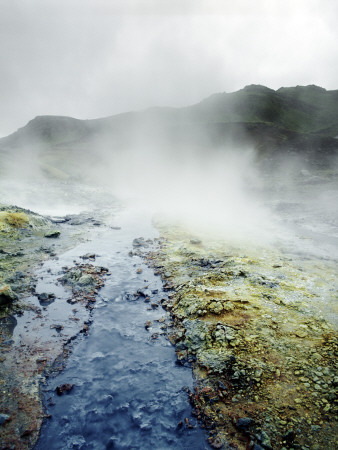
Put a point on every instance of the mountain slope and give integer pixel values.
(302, 119)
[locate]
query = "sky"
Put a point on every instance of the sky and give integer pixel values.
(95, 58)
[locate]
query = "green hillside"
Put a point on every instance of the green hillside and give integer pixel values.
(297, 119)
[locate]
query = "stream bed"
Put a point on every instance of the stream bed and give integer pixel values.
(128, 392)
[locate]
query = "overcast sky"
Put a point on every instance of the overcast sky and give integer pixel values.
(94, 58)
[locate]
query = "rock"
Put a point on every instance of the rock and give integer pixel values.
(90, 256)
(265, 440)
(139, 242)
(4, 418)
(57, 327)
(86, 280)
(222, 385)
(216, 307)
(52, 234)
(301, 333)
(216, 444)
(195, 241)
(7, 296)
(196, 332)
(46, 298)
(289, 436)
(148, 324)
(244, 423)
(64, 388)
(316, 356)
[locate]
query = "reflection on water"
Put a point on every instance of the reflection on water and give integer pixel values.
(7, 325)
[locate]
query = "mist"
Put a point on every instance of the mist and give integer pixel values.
(89, 59)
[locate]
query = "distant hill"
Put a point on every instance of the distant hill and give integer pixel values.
(302, 119)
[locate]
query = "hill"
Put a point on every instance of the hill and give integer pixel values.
(302, 119)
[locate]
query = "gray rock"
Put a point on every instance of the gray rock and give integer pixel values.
(195, 241)
(196, 333)
(139, 242)
(244, 423)
(52, 234)
(86, 280)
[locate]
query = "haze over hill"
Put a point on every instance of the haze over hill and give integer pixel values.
(304, 118)
(208, 161)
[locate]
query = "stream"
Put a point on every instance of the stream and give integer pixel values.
(128, 392)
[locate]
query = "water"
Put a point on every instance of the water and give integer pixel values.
(128, 390)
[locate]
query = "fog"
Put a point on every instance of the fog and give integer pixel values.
(91, 59)
(87, 59)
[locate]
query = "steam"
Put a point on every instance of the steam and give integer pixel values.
(210, 190)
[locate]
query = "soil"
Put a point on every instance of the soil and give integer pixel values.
(264, 363)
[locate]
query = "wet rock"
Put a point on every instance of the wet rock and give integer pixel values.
(86, 280)
(4, 418)
(148, 324)
(64, 388)
(57, 327)
(16, 277)
(46, 298)
(139, 242)
(52, 234)
(140, 293)
(7, 296)
(90, 256)
(216, 444)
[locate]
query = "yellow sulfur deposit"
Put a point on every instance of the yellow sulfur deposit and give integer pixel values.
(13, 220)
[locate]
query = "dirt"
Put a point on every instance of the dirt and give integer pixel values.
(264, 362)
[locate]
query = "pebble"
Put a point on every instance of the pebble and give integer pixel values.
(301, 333)
(148, 324)
(4, 418)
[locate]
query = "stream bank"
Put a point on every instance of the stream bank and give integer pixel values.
(38, 321)
(263, 352)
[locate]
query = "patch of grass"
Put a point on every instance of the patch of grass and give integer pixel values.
(13, 220)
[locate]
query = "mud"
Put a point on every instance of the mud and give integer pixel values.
(263, 355)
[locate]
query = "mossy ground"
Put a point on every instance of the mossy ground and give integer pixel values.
(258, 350)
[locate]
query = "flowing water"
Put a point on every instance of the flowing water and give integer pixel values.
(128, 393)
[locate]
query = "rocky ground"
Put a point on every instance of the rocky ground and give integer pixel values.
(26, 240)
(264, 363)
